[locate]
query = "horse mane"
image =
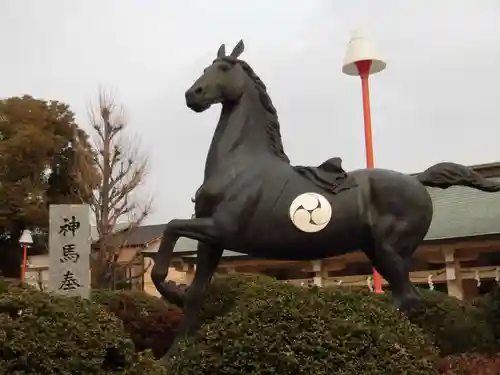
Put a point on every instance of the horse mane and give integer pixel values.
(273, 126)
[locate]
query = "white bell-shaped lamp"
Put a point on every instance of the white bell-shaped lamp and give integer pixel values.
(26, 238)
(361, 48)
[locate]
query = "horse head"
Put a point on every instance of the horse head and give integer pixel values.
(222, 82)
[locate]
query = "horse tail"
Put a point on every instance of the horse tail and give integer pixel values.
(444, 175)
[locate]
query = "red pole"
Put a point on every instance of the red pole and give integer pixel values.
(25, 255)
(364, 73)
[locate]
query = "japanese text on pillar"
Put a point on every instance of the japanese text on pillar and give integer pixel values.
(69, 250)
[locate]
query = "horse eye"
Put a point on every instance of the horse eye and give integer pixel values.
(224, 68)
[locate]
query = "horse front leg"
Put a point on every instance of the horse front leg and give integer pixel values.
(207, 260)
(200, 229)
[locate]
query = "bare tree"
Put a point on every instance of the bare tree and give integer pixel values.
(116, 197)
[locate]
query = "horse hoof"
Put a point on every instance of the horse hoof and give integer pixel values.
(407, 302)
(410, 304)
(164, 361)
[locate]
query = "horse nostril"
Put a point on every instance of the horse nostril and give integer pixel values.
(198, 91)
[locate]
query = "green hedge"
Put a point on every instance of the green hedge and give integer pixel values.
(150, 322)
(252, 325)
(489, 304)
(455, 326)
(45, 334)
(470, 364)
(270, 327)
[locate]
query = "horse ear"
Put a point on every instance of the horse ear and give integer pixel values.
(222, 51)
(238, 50)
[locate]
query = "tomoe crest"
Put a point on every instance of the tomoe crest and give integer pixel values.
(310, 212)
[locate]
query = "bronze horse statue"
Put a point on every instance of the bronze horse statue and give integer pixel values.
(254, 202)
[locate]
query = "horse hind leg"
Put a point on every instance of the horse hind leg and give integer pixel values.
(390, 249)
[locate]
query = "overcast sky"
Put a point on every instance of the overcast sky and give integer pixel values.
(437, 100)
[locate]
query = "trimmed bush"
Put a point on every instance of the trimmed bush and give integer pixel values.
(455, 326)
(273, 328)
(470, 364)
(489, 304)
(46, 334)
(151, 322)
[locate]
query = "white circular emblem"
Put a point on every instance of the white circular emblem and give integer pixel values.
(310, 212)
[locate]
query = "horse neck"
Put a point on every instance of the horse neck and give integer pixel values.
(242, 128)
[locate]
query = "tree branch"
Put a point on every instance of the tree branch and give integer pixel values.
(122, 172)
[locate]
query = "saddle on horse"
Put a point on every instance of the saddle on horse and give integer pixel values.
(329, 176)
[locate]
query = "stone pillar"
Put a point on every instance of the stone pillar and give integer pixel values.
(188, 272)
(453, 274)
(317, 267)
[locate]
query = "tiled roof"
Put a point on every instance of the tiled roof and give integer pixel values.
(464, 212)
(142, 235)
(136, 236)
(225, 254)
(183, 245)
(95, 236)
